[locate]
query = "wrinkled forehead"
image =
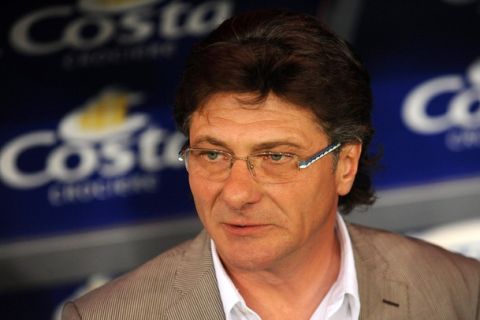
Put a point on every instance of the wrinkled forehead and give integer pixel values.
(251, 106)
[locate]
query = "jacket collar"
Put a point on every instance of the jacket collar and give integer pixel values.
(383, 294)
(196, 284)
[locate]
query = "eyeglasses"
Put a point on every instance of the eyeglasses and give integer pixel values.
(267, 167)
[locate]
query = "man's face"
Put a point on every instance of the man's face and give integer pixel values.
(255, 225)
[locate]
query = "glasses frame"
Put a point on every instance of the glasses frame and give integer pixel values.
(301, 164)
(319, 155)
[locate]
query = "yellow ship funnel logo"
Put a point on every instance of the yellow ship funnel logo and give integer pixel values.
(109, 110)
(104, 116)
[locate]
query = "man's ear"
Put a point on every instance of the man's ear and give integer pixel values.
(347, 166)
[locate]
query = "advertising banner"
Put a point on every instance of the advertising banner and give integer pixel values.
(425, 67)
(87, 137)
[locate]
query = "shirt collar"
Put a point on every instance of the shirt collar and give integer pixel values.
(228, 292)
(344, 288)
(346, 285)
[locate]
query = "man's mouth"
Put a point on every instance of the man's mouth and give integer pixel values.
(241, 229)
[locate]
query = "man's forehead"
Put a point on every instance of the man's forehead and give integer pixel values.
(255, 144)
(249, 107)
(225, 121)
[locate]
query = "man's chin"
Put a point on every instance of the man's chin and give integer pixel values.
(247, 254)
(245, 262)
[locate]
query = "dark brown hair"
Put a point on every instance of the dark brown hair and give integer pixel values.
(295, 57)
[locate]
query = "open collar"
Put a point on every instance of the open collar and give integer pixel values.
(383, 294)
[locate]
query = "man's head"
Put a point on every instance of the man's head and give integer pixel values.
(294, 57)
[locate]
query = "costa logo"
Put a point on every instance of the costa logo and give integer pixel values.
(94, 23)
(423, 115)
(99, 138)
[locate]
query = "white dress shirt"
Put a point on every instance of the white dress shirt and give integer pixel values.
(341, 302)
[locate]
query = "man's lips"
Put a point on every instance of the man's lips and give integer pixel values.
(244, 229)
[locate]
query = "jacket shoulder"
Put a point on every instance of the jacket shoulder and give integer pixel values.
(148, 289)
(408, 250)
(436, 278)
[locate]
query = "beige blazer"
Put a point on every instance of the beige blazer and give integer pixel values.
(399, 278)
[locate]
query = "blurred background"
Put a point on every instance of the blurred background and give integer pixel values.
(90, 185)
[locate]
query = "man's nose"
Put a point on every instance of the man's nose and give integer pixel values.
(240, 188)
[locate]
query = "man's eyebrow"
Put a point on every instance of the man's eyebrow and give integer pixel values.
(210, 140)
(274, 144)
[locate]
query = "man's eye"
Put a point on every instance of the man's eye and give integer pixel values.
(210, 154)
(277, 157)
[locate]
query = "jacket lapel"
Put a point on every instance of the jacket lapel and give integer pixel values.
(383, 295)
(196, 284)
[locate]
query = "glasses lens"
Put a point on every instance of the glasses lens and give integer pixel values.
(274, 167)
(210, 164)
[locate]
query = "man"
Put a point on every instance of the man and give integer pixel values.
(277, 113)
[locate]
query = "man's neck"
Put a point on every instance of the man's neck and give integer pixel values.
(291, 290)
